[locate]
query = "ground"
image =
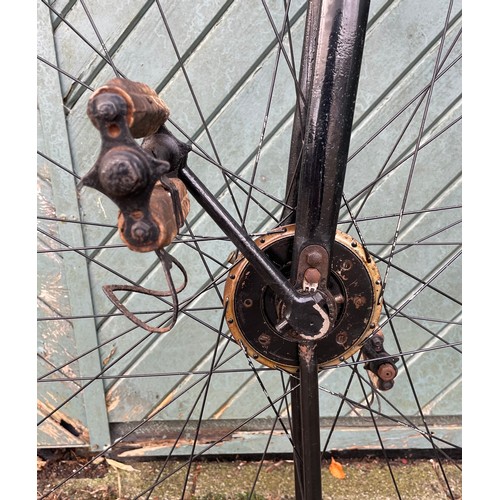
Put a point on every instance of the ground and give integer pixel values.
(366, 478)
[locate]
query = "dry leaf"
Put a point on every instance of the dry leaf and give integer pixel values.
(336, 469)
(40, 463)
(119, 465)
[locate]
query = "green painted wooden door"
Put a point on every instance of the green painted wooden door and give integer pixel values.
(226, 53)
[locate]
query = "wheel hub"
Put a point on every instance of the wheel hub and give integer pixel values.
(254, 313)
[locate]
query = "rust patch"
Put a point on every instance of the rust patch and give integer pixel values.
(306, 352)
(112, 401)
(359, 301)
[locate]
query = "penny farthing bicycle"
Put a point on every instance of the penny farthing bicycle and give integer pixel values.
(270, 262)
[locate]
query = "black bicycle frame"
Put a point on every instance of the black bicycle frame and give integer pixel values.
(331, 61)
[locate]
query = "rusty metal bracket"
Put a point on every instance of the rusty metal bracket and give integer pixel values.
(151, 210)
(381, 365)
(140, 179)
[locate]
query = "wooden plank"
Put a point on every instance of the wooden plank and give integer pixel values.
(344, 438)
(66, 205)
(233, 100)
(58, 432)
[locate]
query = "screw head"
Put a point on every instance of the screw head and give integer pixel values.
(264, 339)
(341, 338)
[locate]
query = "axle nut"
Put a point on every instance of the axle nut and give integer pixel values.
(314, 258)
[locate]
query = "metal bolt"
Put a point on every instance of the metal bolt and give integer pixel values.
(248, 302)
(107, 110)
(341, 338)
(108, 106)
(385, 385)
(312, 275)
(264, 339)
(347, 265)
(141, 231)
(314, 258)
(281, 325)
(378, 343)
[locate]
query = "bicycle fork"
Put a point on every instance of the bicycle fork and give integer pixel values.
(331, 63)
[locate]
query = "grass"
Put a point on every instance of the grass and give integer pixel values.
(212, 480)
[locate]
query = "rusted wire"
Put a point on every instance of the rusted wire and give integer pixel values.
(166, 261)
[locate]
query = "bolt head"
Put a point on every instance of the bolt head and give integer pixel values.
(313, 258)
(312, 275)
(141, 231)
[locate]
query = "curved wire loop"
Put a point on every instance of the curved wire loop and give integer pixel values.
(166, 262)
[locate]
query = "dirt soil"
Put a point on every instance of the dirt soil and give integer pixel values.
(368, 478)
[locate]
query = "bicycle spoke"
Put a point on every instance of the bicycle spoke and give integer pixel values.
(198, 390)
(268, 106)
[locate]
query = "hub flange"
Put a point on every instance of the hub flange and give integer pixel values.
(254, 313)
